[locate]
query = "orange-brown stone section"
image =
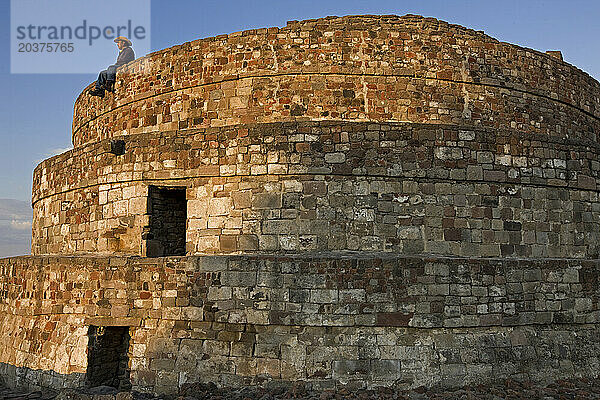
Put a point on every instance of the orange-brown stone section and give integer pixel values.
(378, 68)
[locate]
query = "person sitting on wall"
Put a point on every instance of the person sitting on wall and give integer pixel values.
(106, 78)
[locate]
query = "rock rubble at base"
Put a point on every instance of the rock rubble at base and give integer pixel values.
(581, 389)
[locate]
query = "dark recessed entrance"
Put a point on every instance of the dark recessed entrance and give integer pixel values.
(107, 357)
(167, 207)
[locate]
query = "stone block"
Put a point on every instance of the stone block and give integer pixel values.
(269, 367)
(438, 289)
(324, 296)
(219, 293)
(219, 206)
(352, 295)
(248, 242)
(344, 369)
(571, 276)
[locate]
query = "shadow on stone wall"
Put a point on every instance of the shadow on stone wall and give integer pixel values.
(23, 377)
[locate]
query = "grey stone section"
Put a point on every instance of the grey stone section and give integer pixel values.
(379, 289)
(35, 379)
(368, 320)
(370, 357)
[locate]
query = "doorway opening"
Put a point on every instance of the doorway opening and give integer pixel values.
(108, 358)
(167, 207)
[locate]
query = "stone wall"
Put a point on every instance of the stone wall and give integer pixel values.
(376, 68)
(329, 319)
(404, 188)
(290, 139)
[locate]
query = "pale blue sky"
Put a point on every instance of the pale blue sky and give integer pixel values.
(36, 110)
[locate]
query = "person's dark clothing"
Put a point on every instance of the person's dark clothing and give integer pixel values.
(107, 77)
(125, 56)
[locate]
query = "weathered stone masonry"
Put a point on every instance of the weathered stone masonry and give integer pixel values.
(331, 186)
(346, 318)
(363, 201)
(354, 68)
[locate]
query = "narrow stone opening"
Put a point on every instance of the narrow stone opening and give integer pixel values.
(168, 213)
(117, 147)
(108, 357)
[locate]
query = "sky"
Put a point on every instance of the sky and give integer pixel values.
(36, 109)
